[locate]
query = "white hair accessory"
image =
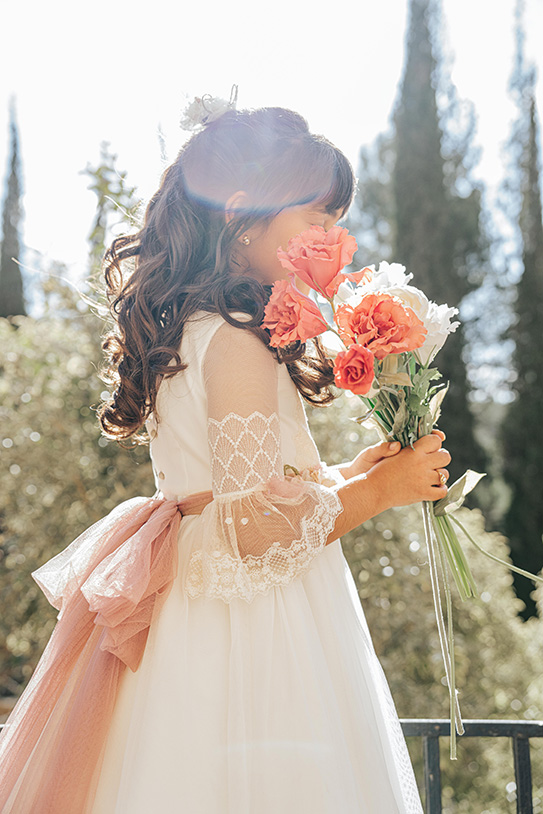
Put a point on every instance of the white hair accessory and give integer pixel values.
(207, 109)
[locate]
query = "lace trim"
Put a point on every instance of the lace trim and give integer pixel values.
(244, 451)
(330, 476)
(224, 576)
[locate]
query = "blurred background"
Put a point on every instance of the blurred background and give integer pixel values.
(437, 105)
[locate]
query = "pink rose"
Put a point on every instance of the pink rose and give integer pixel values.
(381, 323)
(290, 315)
(353, 369)
(318, 256)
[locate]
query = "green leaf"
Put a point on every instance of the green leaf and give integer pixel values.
(417, 406)
(436, 401)
(458, 492)
(402, 379)
(423, 377)
(400, 419)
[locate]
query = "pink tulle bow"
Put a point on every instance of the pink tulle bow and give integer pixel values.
(123, 588)
(108, 586)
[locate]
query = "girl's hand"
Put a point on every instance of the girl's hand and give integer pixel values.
(369, 457)
(413, 475)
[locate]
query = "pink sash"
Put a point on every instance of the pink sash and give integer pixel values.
(107, 584)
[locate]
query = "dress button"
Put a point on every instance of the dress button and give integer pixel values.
(244, 520)
(161, 475)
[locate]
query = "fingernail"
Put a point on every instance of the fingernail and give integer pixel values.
(394, 445)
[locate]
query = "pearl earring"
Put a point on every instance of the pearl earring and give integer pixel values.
(245, 240)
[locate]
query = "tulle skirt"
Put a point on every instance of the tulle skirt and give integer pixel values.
(278, 705)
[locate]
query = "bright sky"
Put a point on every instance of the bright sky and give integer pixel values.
(113, 70)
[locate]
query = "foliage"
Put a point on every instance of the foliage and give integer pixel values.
(372, 218)
(11, 281)
(58, 475)
(117, 204)
(437, 228)
(498, 657)
(418, 206)
(522, 432)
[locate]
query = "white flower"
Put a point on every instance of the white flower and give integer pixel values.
(438, 324)
(392, 279)
(344, 292)
(206, 109)
(387, 276)
(332, 343)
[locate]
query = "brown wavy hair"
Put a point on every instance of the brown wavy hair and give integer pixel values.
(183, 258)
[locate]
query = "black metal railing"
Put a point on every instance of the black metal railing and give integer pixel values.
(520, 733)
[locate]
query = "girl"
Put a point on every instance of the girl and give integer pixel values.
(253, 686)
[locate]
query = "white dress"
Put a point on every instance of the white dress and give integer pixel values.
(259, 691)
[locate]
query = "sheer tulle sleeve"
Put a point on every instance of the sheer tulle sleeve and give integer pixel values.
(262, 529)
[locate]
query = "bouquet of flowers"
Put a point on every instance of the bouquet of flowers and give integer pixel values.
(388, 334)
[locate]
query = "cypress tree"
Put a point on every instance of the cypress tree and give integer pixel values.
(115, 197)
(11, 282)
(437, 234)
(523, 429)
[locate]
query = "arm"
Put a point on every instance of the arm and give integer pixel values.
(262, 529)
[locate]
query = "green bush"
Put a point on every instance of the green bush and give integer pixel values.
(57, 474)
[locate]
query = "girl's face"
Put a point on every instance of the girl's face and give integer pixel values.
(261, 253)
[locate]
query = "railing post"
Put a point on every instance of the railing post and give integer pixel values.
(523, 774)
(432, 773)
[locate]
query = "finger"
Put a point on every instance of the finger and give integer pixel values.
(439, 459)
(442, 477)
(439, 433)
(390, 448)
(383, 450)
(439, 492)
(428, 443)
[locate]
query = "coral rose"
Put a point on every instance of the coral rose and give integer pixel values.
(381, 323)
(353, 370)
(290, 315)
(318, 256)
(393, 280)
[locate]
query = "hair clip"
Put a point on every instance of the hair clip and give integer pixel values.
(206, 109)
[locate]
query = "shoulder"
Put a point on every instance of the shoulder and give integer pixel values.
(240, 347)
(209, 337)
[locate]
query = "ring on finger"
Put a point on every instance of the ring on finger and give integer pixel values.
(442, 479)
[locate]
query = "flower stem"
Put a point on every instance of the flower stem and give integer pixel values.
(461, 565)
(445, 636)
(509, 565)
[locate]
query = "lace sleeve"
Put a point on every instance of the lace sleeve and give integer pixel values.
(331, 475)
(262, 529)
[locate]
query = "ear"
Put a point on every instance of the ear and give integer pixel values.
(234, 202)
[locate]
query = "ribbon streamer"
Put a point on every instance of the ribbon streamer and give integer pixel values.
(108, 586)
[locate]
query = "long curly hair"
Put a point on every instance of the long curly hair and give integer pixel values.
(183, 258)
